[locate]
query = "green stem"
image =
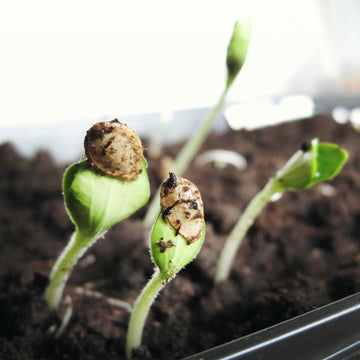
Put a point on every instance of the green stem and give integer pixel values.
(186, 155)
(239, 231)
(194, 143)
(140, 312)
(63, 266)
(152, 210)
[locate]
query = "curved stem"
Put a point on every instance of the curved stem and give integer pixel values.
(186, 155)
(141, 310)
(239, 231)
(63, 266)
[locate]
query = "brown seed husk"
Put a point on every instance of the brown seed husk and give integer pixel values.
(182, 206)
(114, 149)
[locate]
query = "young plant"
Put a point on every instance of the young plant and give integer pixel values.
(313, 163)
(99, 192)
(176, 238)
(235, 59)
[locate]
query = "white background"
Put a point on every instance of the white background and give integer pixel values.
(71, 60)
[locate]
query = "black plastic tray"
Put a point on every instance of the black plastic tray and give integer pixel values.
(331, 332)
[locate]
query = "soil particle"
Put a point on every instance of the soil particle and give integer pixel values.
(164, 245)
(171, 182)
(305, 146)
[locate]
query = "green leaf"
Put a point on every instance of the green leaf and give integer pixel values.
(320, 162)
(96, 202)
(238, 48)
(330, 160)
(177, 254)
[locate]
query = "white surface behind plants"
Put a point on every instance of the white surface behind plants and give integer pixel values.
(71, 63)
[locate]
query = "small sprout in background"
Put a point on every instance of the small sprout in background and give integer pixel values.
(341, 114)
(221, 158)
(98, 193)
(355, 118)
(237, 49)
(156, 141)
(236, 55)
(176, 239)
(313, 163)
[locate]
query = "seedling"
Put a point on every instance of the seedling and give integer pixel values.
(176, 239)
(235, 59)
(98, 193)
(313, 163)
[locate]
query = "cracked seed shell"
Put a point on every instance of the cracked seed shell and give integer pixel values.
(182, 206)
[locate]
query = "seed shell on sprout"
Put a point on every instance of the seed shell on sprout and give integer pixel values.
(182, 206)
(114, 149)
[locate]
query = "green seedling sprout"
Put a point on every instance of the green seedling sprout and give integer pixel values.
(99, 192)
(313, 163)
(235, 59)
(156, 140)
(176, 238)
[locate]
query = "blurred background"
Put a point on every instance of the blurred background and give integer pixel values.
(65, 65)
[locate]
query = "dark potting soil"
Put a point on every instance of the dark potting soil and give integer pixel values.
(302, 252)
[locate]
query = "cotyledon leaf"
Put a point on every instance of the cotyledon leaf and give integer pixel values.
(96, 201)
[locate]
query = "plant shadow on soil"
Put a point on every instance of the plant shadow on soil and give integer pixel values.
(302, 252)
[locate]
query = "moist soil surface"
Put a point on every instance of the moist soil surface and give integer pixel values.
(302, 252)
